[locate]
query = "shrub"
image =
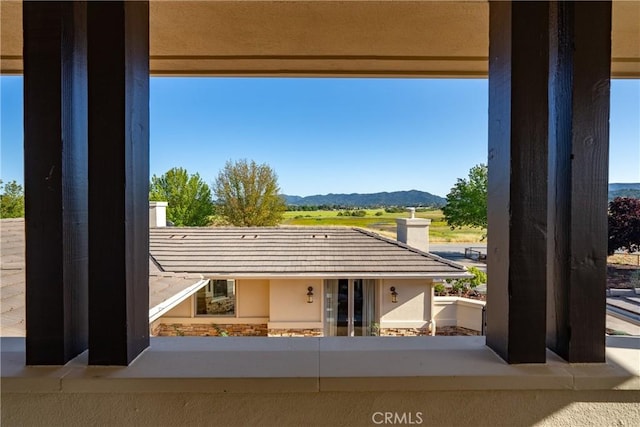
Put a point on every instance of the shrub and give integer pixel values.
(460, 286)
(479, 277)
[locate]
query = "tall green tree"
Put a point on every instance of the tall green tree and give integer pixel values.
(467, 201)
(11, 200)
(189, 197)
(248, 194)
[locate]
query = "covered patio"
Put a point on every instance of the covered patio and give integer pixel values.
(86, 68)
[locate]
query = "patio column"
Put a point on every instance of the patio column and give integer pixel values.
(517, 208)
(118, 71)
(55, 173)
(549, 72)
(580, 70)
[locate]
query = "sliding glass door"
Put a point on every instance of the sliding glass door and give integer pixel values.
(350, 307)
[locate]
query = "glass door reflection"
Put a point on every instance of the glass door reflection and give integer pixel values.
(350, 307)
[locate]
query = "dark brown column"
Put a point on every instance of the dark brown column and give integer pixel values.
(580, 66)
(517, 209)
(118, 70)
(55, 157)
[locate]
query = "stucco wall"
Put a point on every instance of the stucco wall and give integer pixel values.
(253, 298)
(445, 311)
(470, 314)
(184, 309)
(436, 408)
(456, 311)
(288, 300)
(413, 306)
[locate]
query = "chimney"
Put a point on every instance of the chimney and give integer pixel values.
(158, 214)
(414, 231)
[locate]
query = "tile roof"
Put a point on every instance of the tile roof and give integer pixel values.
(12, 305)
(163, 286)
(292, 251)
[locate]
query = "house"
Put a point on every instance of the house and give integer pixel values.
(302, 281)
(272, 281)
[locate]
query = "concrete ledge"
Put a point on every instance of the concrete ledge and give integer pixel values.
(292, 365)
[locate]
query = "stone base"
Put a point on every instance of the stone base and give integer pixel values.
(296, 332)
(211, 330)
(404, 332)
(455, 330)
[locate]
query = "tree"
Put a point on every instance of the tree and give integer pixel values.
(624, 224)
(11, 200)
(467, 201)
(188, 196)
(248, 194)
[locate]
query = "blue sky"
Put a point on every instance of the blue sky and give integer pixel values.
(328, 135)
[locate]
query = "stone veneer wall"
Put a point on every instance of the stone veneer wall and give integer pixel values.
(261, 330)
(211, 330)
(455, 330)
(417, 332)
(295, 333)
(404, 332)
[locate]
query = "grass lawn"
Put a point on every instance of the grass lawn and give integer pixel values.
(384, 223)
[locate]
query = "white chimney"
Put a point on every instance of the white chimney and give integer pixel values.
(413, 231)
(158, 214)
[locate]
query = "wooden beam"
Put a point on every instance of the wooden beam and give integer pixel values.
(118, 70)
(517, 210)
(55, 168)
(580, 67)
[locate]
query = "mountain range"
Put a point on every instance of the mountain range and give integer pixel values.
(416, 197)
(624, 190)
(394, 198)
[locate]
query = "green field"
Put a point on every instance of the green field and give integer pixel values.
(384, 223)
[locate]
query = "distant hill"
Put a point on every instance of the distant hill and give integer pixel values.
(624, 186)
(624, 190)
(395, 198)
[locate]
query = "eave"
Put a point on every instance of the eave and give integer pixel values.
(447, 39)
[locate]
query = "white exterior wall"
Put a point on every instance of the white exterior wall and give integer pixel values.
(413, 309)
(252, 297)
(252, 306)
(469, 314)
(288, 305)
(184, 309)
(283, 304)
(445, 311)
(455, 311)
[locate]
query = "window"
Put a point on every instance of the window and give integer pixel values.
(217, 298)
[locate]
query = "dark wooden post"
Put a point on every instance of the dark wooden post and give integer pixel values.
(580, 66)
(118, 71)
(517, 210)
(55, 158)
